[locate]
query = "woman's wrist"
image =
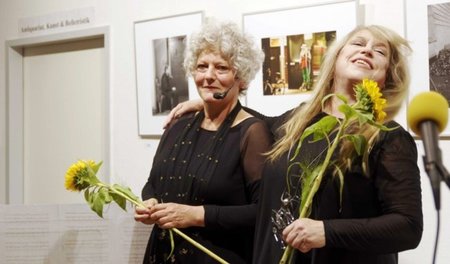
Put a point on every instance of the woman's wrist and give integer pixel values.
(199, 216)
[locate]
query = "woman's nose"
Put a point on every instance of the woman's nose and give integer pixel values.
(210, 73)
(367, 50)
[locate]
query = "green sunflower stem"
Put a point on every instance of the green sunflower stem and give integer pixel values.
(176, 230)
(287, 255)
(199, 246)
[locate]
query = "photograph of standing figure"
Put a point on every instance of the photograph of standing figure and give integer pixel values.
(171, 85)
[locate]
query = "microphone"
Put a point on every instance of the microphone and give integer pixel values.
(222, 96)
(427, 116)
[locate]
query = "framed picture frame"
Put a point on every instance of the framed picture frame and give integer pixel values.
(160, 78)
(294, 41)
(428, 32)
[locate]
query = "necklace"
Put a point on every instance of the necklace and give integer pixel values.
(191, 163)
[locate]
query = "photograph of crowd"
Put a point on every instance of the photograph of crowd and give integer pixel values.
(439, 48)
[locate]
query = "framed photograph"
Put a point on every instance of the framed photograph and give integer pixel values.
(428, 30)
(160, 77)
(294, 41)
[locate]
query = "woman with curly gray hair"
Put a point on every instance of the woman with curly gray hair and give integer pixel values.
(206, 171)
(237, 49)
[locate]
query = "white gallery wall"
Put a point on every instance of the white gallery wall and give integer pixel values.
(131, 155)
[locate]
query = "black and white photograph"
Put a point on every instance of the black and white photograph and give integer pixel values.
(428, 32)
(171, 85)
(160, 78)
(439, 48)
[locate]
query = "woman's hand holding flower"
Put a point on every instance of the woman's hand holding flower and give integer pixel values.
(142, 214)
(305, 234)
(174, 215)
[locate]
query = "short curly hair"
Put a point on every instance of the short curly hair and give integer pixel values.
(226, 39)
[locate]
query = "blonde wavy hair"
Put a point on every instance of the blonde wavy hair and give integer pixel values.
(226, 39)
(395, 91)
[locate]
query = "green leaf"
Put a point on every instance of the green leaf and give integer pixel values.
(105, 195)
(97, 167)
(97, 203)
(320, 130)
(342, 98)
(92, 179)
(325, 98)
(381, 126)
(348, 111)
(127, 191)
(307, 184)
(121, 201)
(87, 195)
(325, 124)
(172, 244)
(339, 96)
(359, 142)
(364, 117)
(324, 127)
(290, 177)
(341, 185)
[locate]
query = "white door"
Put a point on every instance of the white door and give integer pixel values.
(64, 115)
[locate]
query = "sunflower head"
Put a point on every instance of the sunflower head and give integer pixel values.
(81, 175)
(369, 99)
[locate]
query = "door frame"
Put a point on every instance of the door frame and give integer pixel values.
(15, 104)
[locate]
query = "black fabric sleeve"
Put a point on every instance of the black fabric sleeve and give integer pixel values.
(397, 182)
(273, 122)
(255, 141)
(148, 189)
(165, 142)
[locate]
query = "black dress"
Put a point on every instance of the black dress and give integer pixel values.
(380, 215)
(229, 194)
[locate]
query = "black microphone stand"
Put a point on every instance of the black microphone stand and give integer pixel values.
(438, 172)
(432, 169)
(445, 175)
(435, 169)
(433, 161)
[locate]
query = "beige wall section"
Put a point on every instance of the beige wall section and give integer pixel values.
(64, 98)
(131, 155)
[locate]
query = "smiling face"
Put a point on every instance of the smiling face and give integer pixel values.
(363, 56)
(213, 74)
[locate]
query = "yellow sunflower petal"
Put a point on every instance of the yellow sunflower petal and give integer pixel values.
(76, 178)
(375, 95)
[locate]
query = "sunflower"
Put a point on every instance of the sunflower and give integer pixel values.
(368, 109)
(78, 176)
(82, 175)
(370, 99)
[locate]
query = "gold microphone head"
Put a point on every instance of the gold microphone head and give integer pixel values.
(427, 106)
